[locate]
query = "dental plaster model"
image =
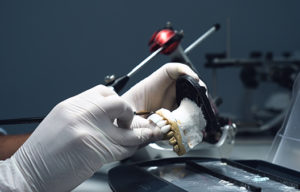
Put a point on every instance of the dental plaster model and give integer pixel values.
(183, 126)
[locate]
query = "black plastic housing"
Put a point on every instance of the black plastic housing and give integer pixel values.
(188, 87)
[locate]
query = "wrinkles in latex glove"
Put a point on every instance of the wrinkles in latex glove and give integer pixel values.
(157, 91)
(74, 140)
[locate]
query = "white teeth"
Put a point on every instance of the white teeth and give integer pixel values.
(161, 123)
(166, 129)
(155, 118)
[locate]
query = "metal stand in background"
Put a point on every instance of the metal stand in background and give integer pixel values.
(256, 70)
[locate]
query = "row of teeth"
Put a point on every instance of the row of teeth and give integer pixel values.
(166, 129)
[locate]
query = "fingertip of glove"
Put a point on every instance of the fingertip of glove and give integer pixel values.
(175, 70)
(147, 133)
(186, 70)
(157, 134)
(144, 134)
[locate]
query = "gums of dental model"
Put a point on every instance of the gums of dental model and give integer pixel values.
(183, 127)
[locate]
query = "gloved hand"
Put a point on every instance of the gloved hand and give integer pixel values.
(157, 91)
(72, 142)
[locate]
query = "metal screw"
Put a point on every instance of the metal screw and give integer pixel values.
(109, 78)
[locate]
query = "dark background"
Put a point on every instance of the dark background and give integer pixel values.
(51, 50)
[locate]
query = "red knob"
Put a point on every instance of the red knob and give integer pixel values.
(166, 38)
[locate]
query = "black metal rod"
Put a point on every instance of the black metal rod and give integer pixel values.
(21, 121)
(261, 173)
(199, 168)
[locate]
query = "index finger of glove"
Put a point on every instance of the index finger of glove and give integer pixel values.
(133, 137)
(140, 122)
(104, 91)
(174, 70)
(117, 108)
(98, 91)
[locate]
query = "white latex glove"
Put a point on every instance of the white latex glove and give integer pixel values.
(72, 142)
(157, 91)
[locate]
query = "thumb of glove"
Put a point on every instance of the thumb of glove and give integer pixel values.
(133, 137)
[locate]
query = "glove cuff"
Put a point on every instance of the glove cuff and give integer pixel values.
(11, 178)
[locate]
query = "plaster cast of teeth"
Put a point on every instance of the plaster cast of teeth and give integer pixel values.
(186, 125)
(165, 129)
(170, 134)
(155, 118)
(161, 123)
